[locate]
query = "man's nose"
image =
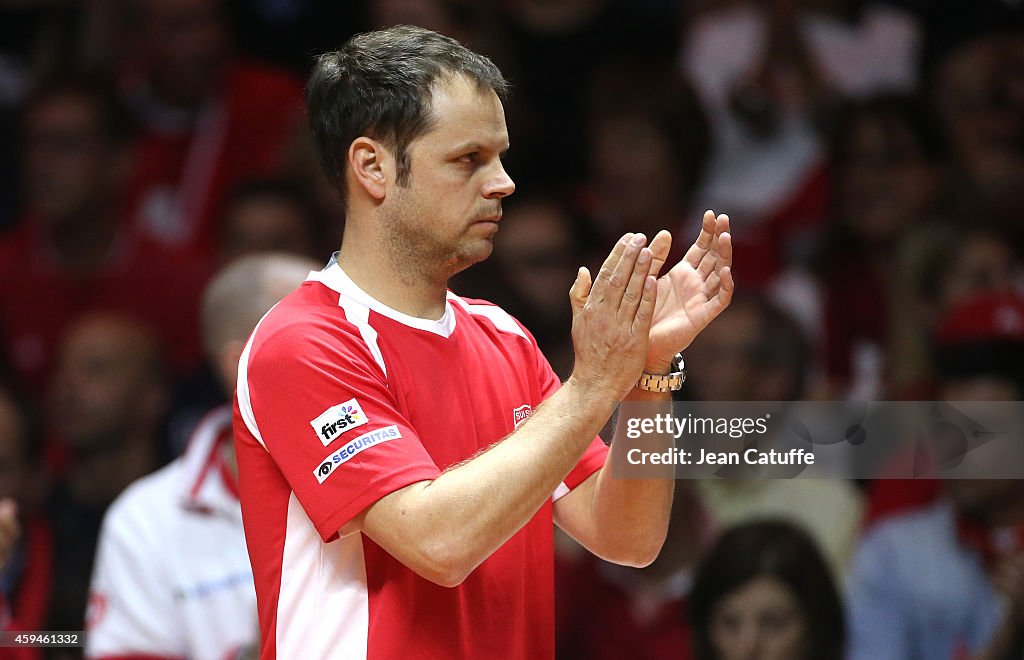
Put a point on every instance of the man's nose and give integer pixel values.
(500, 185)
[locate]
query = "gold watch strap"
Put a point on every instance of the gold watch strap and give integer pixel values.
(669, 382)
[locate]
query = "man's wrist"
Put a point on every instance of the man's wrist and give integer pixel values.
(658, 367)
(588, 392)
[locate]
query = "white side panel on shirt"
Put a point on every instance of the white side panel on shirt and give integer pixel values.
(242, 387)
(323, 610)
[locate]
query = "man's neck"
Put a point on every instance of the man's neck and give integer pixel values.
(402, 287)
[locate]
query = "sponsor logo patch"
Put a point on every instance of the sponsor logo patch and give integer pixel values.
(353, 447)
(337, 420)
(521, 414)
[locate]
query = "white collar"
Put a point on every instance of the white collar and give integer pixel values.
(333, 277)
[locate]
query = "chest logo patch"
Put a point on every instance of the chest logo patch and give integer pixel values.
(337, 420)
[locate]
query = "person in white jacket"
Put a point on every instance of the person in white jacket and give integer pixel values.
(172, 575)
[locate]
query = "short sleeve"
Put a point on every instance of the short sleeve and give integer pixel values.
(131, 605)
(320, 405)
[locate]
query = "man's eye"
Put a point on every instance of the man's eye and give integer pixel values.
(470, 158)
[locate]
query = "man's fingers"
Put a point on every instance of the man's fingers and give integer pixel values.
(623, 272)
(725, 246)
(645, 312)
(704, 240)
(580, 290)
(661, 246)
(608, 267)
(725, 288)
(635, 288)
(720, 252)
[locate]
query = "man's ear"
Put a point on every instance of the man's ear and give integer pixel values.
(371, 166)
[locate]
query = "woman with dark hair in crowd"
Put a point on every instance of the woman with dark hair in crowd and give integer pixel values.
(763, 591)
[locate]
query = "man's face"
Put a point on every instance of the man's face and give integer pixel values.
(633, 170)
(726, 358)
(885, 182)
(101, 385)
(184, 46)
(445, 218)
(266, 224)
(67, 159)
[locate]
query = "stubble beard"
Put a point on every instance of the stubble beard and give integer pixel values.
(416, 252)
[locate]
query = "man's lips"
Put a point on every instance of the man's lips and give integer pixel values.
(495, 217)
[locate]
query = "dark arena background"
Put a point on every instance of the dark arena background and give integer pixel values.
(869, 154)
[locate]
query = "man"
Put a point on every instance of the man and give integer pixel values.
(758, 338)
(946, 579)
(208, 119)
(70, 254)
(267, 215)
(107, 399)
(172, 578)
(435, 535)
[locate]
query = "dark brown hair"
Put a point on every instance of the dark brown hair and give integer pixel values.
(774, 549)
(379, 84)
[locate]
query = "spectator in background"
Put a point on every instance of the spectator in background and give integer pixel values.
(945, 579)
(552, 50)
(208, 119)
(71, 253)
(759, 338)
(107, 398)
(978, 95)
(764, 591)
(172, 575)
(26, 576)
(609, 612)
(268, 215)
(261, 215)
(758, 353)
(647, 145)
(770, 74)
(941, 266)
(888, 177)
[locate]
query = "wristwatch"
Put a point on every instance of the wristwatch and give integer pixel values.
(669, 382)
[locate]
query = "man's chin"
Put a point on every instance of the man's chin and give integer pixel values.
(472, 254)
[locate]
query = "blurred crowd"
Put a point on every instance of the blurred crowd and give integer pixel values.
(870, 155)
